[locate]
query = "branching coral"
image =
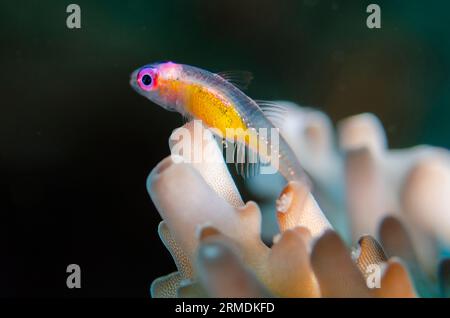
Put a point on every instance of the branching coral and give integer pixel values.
(215, 239)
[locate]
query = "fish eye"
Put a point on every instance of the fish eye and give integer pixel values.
(146, 79)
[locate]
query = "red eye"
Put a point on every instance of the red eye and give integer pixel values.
(147, 79)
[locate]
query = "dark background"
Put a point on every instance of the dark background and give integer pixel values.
(77, 143)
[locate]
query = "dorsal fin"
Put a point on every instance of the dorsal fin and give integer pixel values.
(240, 79)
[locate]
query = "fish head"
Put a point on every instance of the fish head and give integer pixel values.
(159, 83)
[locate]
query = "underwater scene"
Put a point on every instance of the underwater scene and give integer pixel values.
(225, 149)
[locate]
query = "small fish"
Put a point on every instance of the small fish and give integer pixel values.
(218, 102)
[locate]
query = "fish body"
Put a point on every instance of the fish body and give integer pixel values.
(200, 94)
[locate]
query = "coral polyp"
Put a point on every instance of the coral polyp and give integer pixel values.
(374, 225)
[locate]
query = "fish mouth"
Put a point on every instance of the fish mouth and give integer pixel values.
(133, 80)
